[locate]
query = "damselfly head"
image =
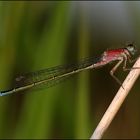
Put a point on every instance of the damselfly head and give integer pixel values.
(131, 48)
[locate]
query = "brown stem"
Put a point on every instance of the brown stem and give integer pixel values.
(117, 102)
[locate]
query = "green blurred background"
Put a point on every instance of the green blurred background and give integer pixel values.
(38, 35)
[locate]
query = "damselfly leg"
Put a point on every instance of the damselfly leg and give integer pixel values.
(113, 71)
(124, 59)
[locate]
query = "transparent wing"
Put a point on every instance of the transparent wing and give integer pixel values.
(41, 75)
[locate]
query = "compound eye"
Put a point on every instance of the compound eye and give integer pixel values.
(130, 45)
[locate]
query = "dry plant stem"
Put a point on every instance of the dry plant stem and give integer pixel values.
(117, 102)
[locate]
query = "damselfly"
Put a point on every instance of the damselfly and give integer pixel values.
(56, 74)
